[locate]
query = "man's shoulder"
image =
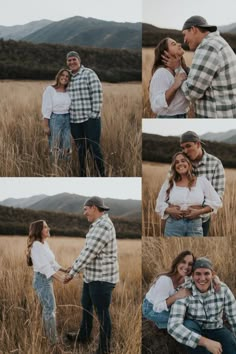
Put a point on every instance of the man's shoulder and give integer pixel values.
(210, 157)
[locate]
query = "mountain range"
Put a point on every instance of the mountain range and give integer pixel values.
(73, 203)
(228, 137)
(77, 30)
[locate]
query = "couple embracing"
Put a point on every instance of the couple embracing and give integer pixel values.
(209, 84)
(193, 190)
(190, 300)
(72, 106)
(97, 260)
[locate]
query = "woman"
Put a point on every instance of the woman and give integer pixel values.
(45, 268)
(166, 97)
(167, 288)
(183, 198)
(55, 109)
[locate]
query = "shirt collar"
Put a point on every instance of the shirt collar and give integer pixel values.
(97, 221)
(81, 69)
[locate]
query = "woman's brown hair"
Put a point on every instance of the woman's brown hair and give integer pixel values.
(35, 234)
(175, 176)
(159, 51)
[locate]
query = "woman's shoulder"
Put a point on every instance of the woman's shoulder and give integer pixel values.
(164, 279)
(49, 89)
(37, 244)
(202, 179)
(161, 71)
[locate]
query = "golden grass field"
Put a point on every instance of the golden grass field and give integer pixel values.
(20, 322)
(24, 147)
(147, 62)
(154, 174)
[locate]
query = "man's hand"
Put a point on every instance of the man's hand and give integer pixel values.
(211, 345)
(192, 213)
(170, 61)
(67, 278)
(68, 269)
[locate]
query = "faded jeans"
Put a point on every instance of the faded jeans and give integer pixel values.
(44, 290)
(159, 318)
(183, 227)
(222, 335)
(60, 138)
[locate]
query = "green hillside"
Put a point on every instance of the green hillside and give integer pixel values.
(23, 60)
(153, 35)
(15, 221)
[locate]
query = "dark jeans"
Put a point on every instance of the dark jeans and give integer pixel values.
(87, 136)
(183, 115)
(221, 335)
(206, 226)
(97, 294)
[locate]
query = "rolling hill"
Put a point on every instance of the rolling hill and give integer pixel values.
(157, 148)
(20, 31)
(73, 203)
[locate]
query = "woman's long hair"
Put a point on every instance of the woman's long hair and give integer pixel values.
(159, 51)
(174, 265)
(35, 234)
(175, 176)
(58, 75)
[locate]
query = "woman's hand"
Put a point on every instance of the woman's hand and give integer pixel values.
(192, 213)
(179, 78)
(181, 293)
(175, 212)
(47, 131)
(216, 283)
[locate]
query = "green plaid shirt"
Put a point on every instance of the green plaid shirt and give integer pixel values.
(211, 82)
(85, 91)
(206, 310)
(98, 258)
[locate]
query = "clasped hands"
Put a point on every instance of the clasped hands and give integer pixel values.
(67, 278)
(192, 212)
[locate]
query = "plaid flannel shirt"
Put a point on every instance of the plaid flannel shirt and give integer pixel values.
(211, 167)
(206, 310)
(211, 82)
(98, 258)
(85, 91)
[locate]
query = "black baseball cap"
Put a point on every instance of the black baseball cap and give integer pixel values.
(198, 21)
(189, 136)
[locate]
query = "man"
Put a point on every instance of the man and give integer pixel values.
(85, 91)
(197, 320)
(211, 82)
(98, 260)
(203, 164)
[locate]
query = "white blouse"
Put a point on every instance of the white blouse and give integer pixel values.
(203, 191)
(55, 102)
(161, 81)
(43, 259)
(161, 290)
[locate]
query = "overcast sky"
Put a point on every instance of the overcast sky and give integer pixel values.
(112, 187)
(17, 12)
(173, 14)
(178, 126)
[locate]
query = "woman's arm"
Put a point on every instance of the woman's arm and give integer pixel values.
(170, 94)
(180, 294)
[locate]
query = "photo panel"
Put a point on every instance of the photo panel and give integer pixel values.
(158, 256)
(188, 60)
(210, 151)
(76, 222)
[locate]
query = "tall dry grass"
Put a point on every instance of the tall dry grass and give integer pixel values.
(20, 320)
(24, 147)
(224, 224)
(147, 62)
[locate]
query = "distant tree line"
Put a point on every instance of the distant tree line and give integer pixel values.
(24, 60)
(153, 35)
(157, 148)
(16, 221)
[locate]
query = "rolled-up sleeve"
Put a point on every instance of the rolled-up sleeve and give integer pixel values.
(160, 83)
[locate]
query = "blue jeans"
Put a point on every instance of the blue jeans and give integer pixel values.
(183, 227)
(222, 335)
(159, 318)
(87, 136)
(183, 115)
(44, 290)
(97, 294)
(60, 138)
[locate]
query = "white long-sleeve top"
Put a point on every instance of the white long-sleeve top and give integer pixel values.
(161, 290)
(55, 102)
(161, 81)
(202, 192)
(43, 259)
